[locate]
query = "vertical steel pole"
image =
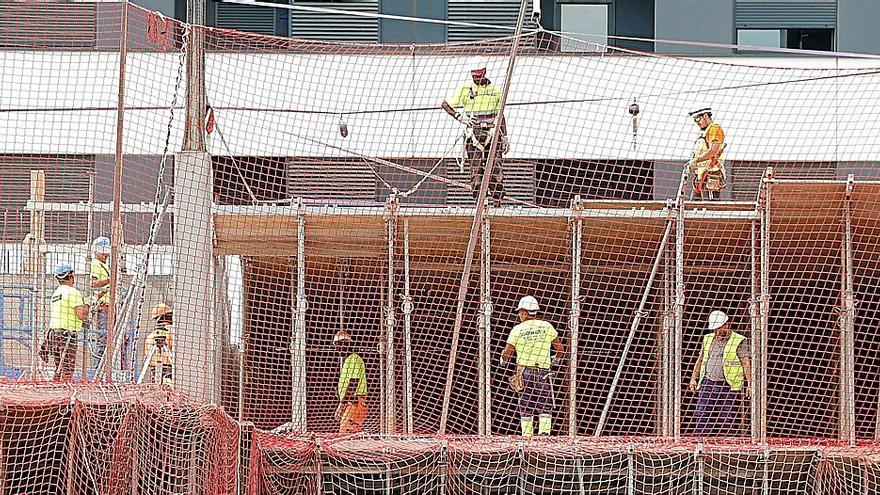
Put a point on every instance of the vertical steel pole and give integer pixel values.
(407, 309)
(577, 226)
(298, 339)
(666, 336)
(754, 324)
(759, 368)
(678, 326)
(485, 321)
(390, 402)
(475, 227)
(116, 232)
(847, 327)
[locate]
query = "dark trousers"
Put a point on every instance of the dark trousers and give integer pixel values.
(478, 159)
(717, 410)
(61, 345)
(537, 395)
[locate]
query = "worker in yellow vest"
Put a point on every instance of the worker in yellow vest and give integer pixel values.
(533, 340)
(707, 163)
(480, 102)
(351, 387)
(100, 275)
(68, 311)
(722, 373)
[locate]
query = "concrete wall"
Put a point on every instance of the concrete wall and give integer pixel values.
(410, 32)
(858, 24)
(694, 20)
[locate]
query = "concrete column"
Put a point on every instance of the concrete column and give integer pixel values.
(195, 351)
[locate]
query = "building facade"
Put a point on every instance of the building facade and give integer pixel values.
(840, 25)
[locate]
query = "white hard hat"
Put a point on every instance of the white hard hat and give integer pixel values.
(477, 64)
(700, 111)
(717, 319)
(529, 304)
(101, 245)
(341, 336)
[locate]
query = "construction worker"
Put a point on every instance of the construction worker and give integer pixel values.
(67, 311)
(100, 274)
(352, 387)
(480, 101)
(707, 163)
(722, 372)
(158, 347)
(532, 341)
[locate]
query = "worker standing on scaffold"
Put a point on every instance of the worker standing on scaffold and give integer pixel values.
(708, 160)
(100, 284)
(532, 341)
(480, 101)
(351, 388)
(722, 372)
(67, 312)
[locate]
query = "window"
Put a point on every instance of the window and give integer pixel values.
(771, 38)
(799, 38)
(586, 22)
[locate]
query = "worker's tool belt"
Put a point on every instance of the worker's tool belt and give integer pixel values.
(715, 180)
(481, 131)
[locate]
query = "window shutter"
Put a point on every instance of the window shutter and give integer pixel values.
(519, 183)
(343, 27)
(493, 12)
(260, 20)
(779, 15)
(342, 179)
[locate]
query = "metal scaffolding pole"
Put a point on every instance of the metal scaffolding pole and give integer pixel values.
(577, 228)
(484, 426)
(847, 326)
(754, 323)
(666, 334)
(475, 227)
(678, 320)
(634, 327)
(388, 424)
(759, 358)
(116, 218)
(407, 308)
(298, 338)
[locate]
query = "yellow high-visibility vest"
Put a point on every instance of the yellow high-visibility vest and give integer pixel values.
(732, 367)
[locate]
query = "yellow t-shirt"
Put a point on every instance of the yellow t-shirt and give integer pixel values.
(712, 134)
(65, 300)
(352, 367)
(99, 271)
(474, 98)
(532, 340)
